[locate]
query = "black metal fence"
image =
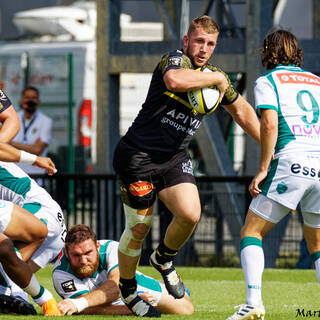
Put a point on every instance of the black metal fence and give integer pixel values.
(94, 199)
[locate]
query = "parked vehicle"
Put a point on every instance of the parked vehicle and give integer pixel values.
(57, 54)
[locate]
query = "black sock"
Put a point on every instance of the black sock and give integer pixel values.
(127, 286)
(165, 254)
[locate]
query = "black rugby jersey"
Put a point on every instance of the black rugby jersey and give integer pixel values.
(165, 125)
(5, 102)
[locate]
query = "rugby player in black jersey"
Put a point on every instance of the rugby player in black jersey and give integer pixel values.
(152, 158)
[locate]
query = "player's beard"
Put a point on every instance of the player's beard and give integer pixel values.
(192, 57)
(88, 270)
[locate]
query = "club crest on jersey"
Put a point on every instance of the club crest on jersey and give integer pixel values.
(140, 188)
(68, 286)
(174, 61)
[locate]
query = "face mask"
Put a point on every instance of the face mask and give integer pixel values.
(31, 106)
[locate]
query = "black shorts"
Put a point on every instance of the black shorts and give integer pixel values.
(141, 176)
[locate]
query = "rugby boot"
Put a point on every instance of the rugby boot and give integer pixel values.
(171, 278)
(248, 312)
(140, 307)
(50, 308)
(11, 304)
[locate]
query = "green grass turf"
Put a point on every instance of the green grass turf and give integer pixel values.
(215, 291)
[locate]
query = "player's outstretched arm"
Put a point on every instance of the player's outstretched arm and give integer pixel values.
(9, 153)
(96, 300)
(243, 113)
(269, 134)
(182, 80)
(103, 309)
(45, 163)
(10, 124)
(36, 148)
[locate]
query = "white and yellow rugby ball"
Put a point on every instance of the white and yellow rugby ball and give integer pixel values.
(204, 100)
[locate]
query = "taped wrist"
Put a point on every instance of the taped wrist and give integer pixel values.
(27, 158)
(80, 303)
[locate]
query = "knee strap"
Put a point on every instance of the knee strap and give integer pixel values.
(132, 219)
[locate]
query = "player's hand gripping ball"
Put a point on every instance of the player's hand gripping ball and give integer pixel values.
(204, 100)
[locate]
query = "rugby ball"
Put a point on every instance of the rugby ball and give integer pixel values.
(204, 100)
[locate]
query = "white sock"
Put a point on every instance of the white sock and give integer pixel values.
(44, 296)
(317, 265)
(316, 260)
(39, 294)
(252, 262)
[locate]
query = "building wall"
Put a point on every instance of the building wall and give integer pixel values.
(297, 15)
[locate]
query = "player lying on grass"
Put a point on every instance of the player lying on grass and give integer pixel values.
(86, 275)
(27, 223)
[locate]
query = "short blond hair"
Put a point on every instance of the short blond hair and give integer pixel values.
(204, 22)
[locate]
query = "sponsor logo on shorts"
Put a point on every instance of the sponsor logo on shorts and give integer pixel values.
(140, 188)
(281, 188)
(123, 189)
(187, 167)
(68, 286)
(297, 168)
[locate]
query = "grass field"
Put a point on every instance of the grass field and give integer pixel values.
(215, 291)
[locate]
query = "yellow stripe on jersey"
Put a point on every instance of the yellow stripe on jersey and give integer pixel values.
(185, 103)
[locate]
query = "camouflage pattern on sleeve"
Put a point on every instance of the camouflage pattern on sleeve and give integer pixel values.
(175, 60)
(231, 94)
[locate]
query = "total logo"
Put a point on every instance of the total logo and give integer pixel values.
(296, 168)
(140, 188)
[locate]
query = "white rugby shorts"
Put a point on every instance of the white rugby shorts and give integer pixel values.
(6, 208)
(54, 242)
(290, 180)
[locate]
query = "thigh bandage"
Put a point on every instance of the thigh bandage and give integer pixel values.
(132, 219)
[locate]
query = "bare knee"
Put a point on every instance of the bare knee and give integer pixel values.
(251, 232)
(190, 220)
(140, 231)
